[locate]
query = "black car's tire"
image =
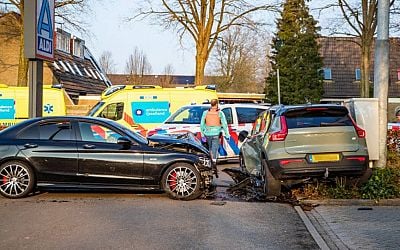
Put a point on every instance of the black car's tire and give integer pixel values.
(182, 181)
(272, 187)
(17, 179)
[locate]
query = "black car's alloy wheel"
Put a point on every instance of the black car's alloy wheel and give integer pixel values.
(182, 181)
(17, 179)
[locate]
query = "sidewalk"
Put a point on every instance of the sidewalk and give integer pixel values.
(347, 223)
(357, 224)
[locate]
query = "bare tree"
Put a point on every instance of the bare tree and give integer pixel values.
(203, 20)
(137, 66)
(240, 60)
(66, 11)
(106, 62)
(167, 79)
(359, 19)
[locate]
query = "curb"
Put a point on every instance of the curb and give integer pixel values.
(311, 229)
(352, 202)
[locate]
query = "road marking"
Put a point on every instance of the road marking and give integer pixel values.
(310, 227)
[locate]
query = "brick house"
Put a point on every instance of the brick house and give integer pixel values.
(342, 67)
(74, 67)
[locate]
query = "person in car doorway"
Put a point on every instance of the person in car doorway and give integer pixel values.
(213, 122)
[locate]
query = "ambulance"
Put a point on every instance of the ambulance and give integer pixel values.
(14, 103)
(143, 107)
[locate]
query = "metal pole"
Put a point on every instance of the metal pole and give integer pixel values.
(279, 87)
(381, 76)
(35, 88)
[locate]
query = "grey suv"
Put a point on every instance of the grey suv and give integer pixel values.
(307, 141)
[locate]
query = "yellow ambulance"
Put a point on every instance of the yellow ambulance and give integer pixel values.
(14, 103)
(143, 107)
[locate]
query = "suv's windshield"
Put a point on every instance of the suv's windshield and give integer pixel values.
(187, 115)
(305, 118)
(95, 108)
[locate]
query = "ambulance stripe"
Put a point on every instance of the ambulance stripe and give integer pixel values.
(128, 119)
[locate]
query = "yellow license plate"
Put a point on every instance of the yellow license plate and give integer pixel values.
(324, 157)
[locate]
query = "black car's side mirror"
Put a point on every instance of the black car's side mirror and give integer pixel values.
(243, 135)
(124, 142)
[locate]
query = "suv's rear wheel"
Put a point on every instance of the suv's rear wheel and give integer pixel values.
(182, 181)
(272, 187)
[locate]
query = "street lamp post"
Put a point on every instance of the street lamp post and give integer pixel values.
(279, 86)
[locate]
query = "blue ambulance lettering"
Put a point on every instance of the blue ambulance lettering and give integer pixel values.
(7, 109)
(150, 112)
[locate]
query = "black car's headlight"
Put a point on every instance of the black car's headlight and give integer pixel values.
(205, 161)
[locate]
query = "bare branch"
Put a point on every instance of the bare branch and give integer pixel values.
(204, 20)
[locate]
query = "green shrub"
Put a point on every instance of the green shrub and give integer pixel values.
(383, 184)
(341, 189)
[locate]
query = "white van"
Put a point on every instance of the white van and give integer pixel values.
(187, 119)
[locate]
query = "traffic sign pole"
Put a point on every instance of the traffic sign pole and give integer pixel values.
(39, 45)
(35, 88)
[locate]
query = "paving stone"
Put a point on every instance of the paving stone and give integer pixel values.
(349, 227)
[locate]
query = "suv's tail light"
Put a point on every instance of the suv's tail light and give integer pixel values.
(360, 132)
(281, 134)
(356, 158)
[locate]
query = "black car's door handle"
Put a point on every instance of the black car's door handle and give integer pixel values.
(30, 145)
(89, 146)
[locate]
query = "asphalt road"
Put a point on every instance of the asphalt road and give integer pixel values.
(76, 220)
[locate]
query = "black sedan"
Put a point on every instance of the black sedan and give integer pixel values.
(85, 152)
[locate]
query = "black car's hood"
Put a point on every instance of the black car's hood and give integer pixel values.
(185, 141)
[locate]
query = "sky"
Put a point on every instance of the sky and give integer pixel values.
(109, 30)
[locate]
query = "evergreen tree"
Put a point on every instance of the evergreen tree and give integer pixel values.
(296, 54)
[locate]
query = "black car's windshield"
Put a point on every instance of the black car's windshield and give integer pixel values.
(95, 108)
(187, 115)
(138, 137)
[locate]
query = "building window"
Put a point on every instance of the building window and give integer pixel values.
(327, 73)
(70, 67)
(98, 74)
(56, 66)
(63, 42)
(77, 70)
(87, 72)
(92, 73)
(64, 66)
(358, 74)
(78, 47)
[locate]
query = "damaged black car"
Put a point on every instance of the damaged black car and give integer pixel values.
(95, 153)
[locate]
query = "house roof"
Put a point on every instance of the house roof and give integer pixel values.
(343, 56)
